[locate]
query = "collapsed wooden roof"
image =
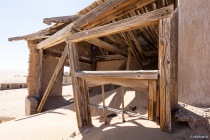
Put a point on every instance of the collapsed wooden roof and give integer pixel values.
(142, 42)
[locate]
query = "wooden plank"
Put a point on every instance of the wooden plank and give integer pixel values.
(85, 98)
(137, 44)
(131, 23)
(140, 85)
(165, 75)
(53, 79)
(56, 38)
(74, 65)
(105, 9)
(62, 19)
(45, 33)
(102, 44)
(152, 100)
(122, 12)
(109, 57)
(123, 105)
(130, 45)
(98, 13)
(152, 74)
(104, 104)
(80, 90)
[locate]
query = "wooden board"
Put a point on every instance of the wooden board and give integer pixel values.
(131, 23)
(149, 75)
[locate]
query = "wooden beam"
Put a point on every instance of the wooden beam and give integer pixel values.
(104, 104)
(109, 57)
(45, 33)
(53, 79)
(85, 103)
(131, 23)
(165, 75)
(128, 41)
(122, 12)
(144, 75)
(56, 38)
(96, 14)
(74, 65)
(152, 100)
(138, 45)
(102, 44)
(105, 9)
(122, 100)
(140, 85)
(79, 89)
(62, 19)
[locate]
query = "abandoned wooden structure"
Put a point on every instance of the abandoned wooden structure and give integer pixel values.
(109, 42)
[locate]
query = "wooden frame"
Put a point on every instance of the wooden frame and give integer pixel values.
(159, 102)
(117, 77)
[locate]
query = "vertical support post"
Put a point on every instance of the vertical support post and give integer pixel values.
(85, 98)
(80, 95)
(104, 104)
(165, 75)
(123, 105)
(158, 104)
(152, 100)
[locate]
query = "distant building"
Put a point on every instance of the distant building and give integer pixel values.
(66, 79)
(13, 83)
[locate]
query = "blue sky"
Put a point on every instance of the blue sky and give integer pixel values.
(21, 17)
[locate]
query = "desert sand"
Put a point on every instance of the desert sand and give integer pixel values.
(60, 124)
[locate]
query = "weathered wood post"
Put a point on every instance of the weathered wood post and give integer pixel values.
(165, 74)
(81, 98)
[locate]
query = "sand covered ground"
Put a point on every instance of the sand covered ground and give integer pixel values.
(60, 124)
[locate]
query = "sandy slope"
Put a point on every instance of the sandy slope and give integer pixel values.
(60, 124)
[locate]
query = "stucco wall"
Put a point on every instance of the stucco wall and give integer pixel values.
(194, 52)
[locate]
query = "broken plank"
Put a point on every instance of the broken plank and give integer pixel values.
(131, 23)
(62, 19)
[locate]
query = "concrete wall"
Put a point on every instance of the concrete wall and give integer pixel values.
(194, 52)
(48, 67)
